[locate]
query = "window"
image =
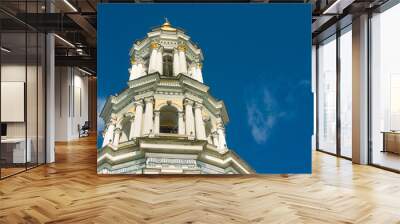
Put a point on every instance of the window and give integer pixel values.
(385, 89)
(335, 73)
(169, 120)
(327, 95)
(346, 92)
(22, 74)
(167, 65)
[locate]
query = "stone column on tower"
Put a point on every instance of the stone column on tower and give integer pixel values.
(189, 120)
(153, 57)
(159, 61)
(192, 70)
(148, 117)
(134, 71)
(181, 123)
(221, 134)
(156, 122)
(182, 59)
(137, 123)
(109, 133)
(215, 138)
(221, 138)
(176, 66)
(209, 139)
(132, 120)
(199, 75)
(140, 70)
(200, 129)
(117, 135)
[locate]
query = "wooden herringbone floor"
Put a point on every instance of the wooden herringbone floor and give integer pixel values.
(69, 191)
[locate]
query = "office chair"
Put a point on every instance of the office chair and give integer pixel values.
(84, 130)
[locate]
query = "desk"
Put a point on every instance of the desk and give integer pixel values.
(391, 141)
(16, 147)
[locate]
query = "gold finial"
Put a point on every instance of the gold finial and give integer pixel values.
(166, 22)
(167, 25)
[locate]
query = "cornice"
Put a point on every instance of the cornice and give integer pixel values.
(144, 80)
(207, 153)
(106, 110)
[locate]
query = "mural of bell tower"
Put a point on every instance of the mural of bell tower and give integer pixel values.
(166, 121)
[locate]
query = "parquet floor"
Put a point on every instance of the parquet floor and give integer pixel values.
(69, 191)
(11, 170)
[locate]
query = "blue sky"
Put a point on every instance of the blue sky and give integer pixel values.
(257, 60)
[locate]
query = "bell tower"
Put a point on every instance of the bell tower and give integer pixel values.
(166, 121)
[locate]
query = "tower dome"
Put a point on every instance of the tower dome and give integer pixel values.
(167, 26)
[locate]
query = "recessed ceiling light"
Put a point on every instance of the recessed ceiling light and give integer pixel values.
(64, 40)
(84, 71)
(337, 7)
(5, 50)
(70, 5)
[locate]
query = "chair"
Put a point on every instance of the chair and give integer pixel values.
(84, 130)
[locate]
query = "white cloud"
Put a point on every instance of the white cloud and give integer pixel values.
(262, 115)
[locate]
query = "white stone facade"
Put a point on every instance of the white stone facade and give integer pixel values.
(166, 121)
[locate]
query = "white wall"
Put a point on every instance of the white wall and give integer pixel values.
(34, 125)
(71, 102)
(14, 73)
(17, 73)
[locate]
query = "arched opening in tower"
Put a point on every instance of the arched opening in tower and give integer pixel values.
(167, 65)
(169, 120)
